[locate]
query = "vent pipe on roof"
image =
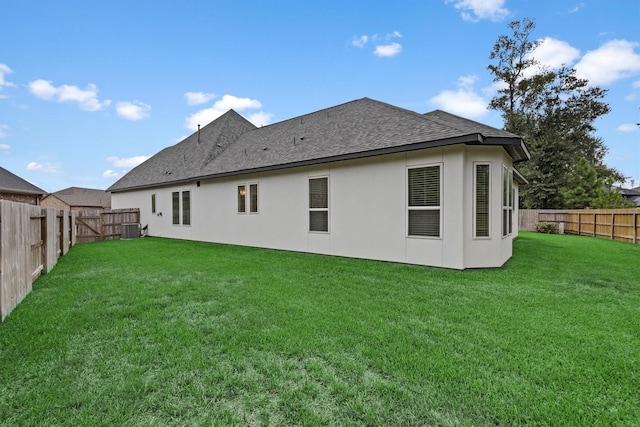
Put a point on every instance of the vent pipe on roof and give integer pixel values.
(198, 133)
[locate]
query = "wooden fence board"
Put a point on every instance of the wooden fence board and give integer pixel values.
(615, 224)
(32, 238)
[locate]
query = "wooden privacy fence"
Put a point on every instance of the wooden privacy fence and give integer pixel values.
(104, 224)
(32, 238)
(615, 224)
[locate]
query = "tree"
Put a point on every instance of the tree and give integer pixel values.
(553, 110)
(583, 186)
(610, 197)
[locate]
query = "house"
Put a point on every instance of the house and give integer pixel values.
(16, 189)
(363, 179)
(78, 198)
(632, 195)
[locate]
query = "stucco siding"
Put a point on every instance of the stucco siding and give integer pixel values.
(367, 210)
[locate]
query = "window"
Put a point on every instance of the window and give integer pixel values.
(507, 201)
(319, 204)
(424, 188)
(153, 203)
(186, 208)
(482, 178)
(175, 199)
(242, 195)
(253, 198)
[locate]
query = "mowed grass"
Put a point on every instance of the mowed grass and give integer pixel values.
(163, 332)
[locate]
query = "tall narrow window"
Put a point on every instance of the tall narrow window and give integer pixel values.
(507, 202)
(186, 208)
(482, 174)
(253, 198)
(319, 204)
(242, 197)
(175, 204)
(424, 207)
(153, 203)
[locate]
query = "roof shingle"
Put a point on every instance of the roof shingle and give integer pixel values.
(361, 128)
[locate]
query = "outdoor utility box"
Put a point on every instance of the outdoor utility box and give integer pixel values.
(130, 231)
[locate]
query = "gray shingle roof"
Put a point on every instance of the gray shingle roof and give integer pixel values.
(10, 183)
(362, 128)
(85, 197)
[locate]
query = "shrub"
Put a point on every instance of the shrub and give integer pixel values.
(547, 227)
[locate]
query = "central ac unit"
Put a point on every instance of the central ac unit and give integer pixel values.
(130, 231)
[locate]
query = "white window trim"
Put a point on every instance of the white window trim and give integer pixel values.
(246, 191)
(509, 206)
(182, 207)
(247, 197)
(440, 207)
(173, 223)
(249, 184)
(475, 193)
(180, 222)
(327, 209)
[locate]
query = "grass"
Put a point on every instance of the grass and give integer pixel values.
(164, 332)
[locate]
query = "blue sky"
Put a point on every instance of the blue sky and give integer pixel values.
(89, 89)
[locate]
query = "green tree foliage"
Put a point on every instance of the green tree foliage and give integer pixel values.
(553, 110)
(583, 186)
(609, 197)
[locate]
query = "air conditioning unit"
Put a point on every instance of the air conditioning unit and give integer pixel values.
(130, 231)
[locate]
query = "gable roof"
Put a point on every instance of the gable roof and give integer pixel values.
(11, 183)
(230, 145)
(86, 197)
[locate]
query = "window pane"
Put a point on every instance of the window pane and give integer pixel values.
(253, 198)
(424, 186)
(482, 200)
(175, 198)
(241, 198)
(424, 222)
(318, 193)
(186, 208)
(318, 221)
(153, 203)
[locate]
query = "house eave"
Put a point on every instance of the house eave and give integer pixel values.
(26, 192)
(470, 139)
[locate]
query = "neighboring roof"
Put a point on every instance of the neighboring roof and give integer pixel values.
(630, 191)
(230, 145)
(86, 197)
(10, 183)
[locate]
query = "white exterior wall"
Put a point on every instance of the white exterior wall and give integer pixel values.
(367, 210)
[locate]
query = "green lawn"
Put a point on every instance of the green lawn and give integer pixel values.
(165, 332)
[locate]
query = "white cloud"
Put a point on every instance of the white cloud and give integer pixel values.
(576, 8)
(40, 167)
(135, 110)
(360, 41)
(228, 102)
(628, 127)
(3, 131)
(195, 98)
(4, 70)
(612, 61)
(5, 148)
(383, 47)
(111, 174)
(464, 101)
(388, 50)
(553, 53)
(260, 118)
(126, 162)
(476, 10)
(87, 98)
